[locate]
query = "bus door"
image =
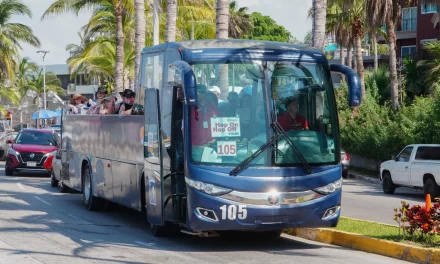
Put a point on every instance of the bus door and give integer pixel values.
(153, 169)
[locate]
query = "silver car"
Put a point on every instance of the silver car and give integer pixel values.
(345, 160)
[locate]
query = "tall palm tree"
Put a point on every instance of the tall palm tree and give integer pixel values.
(196, 17)
(240, 22)
(222, 25)
(388, 11)
(11, 35)
(171, 21)
(318, 26)
(120, 7)
(139, 18)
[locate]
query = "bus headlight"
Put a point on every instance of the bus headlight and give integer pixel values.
(208, 188)
(329, 188)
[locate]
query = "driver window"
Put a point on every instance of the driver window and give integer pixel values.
(405, 155)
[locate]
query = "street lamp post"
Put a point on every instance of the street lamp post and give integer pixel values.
(43, 54)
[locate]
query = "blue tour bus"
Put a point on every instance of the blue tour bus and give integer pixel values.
(241, 135)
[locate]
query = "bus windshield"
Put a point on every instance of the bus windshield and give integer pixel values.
(238, 103)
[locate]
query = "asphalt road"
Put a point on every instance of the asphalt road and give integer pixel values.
(38, 224)
(365, 200)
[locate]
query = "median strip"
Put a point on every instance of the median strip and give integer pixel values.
(370, 237)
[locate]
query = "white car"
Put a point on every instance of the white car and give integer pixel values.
(416, 166)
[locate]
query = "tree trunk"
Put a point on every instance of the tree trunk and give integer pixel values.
(349, 56)
(376, 60)
(221, 30)
(192, 31)
(360, 65)
(119, 67)
(171, 21)
(319, 19)
(139, 38)
(342, 55)
(392, 64)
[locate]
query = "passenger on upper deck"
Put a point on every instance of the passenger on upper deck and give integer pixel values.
(129, 96)
(77, 103)
(108, 106)
(94, 104)
(291, 120)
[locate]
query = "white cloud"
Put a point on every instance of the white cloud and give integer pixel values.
(58, 31)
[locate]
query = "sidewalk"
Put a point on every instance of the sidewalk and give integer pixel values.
(365, 175)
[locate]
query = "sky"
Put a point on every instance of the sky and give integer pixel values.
(56, 32)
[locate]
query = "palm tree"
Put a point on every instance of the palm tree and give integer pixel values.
(318, 26)
(139, 9)
(222, 25)
(11, 35)
(120, 8)
(240, 22)
(388, 11)
(196, 17)
(171, 21)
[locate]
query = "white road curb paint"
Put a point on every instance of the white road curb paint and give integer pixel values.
(79, 219)
(41, 200)
(20, 186)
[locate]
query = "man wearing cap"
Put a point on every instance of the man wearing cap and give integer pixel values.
(201, 121)
(291, 120)
(217, 92)
(128, 97)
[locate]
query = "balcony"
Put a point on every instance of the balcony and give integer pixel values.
(407, 30)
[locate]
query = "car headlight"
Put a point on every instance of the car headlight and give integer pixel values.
(208, 188)
(53, 153)
(330, 188)
(13, 152)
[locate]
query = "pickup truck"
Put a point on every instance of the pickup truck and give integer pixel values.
(417, 166)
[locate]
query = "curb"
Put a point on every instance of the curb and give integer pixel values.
(369, 244)
(364, 178)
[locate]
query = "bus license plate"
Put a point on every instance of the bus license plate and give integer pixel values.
(31, 164)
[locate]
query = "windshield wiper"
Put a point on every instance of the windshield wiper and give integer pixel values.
(275, 125)
(279, 133)
(248, 160)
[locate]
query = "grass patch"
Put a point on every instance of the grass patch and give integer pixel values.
(381, 231)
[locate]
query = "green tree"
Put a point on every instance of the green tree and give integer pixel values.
(118, 7)
(265, 28)
(240, 22)
(12, 35)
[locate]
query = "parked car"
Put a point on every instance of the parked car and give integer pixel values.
(3, 145)
(345, 160)
(416, 166)
(33, 150)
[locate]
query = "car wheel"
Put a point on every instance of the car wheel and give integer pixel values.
(90, 201)
(53, 181)
(387, 184)
(430, 187)
(345, 174)
(9, 172)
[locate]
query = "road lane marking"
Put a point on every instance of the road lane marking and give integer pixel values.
(41, 200)
(79, 219)
(20, 186)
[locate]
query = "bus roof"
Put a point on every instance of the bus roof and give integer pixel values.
(225, 47)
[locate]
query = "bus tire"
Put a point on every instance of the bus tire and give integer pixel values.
(90, 201)
(53, 181)
(273, 233)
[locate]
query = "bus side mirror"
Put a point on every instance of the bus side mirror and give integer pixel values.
(181, 74)
(354, 83)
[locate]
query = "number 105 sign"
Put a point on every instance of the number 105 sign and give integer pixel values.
(227, 148)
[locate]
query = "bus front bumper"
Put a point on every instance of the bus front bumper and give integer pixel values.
(229, 212)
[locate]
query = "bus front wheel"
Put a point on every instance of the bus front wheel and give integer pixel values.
(158, 231)
(90, 201)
